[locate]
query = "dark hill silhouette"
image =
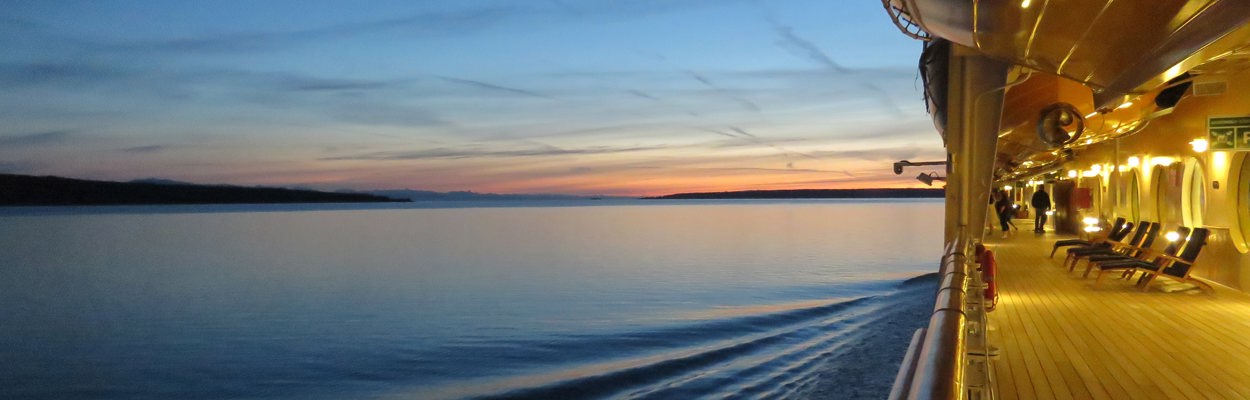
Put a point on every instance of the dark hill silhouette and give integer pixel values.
(812, 194)
(25, 190)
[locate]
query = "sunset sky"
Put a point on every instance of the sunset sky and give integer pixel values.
(637, 97)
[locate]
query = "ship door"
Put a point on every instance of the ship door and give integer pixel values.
(1066, 215)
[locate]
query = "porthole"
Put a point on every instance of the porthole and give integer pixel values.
(1166, 185)
(1194, 194)
(1242, 176)
(1134, 197)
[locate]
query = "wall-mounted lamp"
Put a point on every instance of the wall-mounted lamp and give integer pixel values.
(1090, 220)
(1199, 145)
(1134, 161)
(1007, 187)
(1162, 161)
(1072, 173)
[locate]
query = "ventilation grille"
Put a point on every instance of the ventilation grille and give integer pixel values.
(1210, 88)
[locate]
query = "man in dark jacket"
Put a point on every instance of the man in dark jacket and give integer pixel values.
(1041, 204)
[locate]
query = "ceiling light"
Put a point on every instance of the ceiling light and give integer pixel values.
(1200, 145)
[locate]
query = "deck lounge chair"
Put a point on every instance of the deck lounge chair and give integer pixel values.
(1100, 242)
(1179, 267)
(1129, 266)
(1117, 227)
(1145, 231)
(1140, 252)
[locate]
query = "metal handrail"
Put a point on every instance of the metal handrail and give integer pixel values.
(935, 360)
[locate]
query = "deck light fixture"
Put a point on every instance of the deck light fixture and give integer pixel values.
(1199, 145)
(1134, 161)
(1172, 236)
(928, 178)
(1007, 187)
(898, 166)
(1091, 224)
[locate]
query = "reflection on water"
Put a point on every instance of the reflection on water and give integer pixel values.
(420, 301)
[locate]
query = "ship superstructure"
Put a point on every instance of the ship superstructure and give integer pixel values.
(1117, 109)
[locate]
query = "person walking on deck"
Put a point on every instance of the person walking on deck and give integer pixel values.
(1002, 207)
(1041, 204)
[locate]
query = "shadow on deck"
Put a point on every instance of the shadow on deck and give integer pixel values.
(1059, 337)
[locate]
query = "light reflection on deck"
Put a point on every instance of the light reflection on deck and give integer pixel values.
(1062, 338)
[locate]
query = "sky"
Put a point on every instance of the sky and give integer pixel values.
(592, 97)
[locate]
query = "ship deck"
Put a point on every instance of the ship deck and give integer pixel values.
(1059, 337)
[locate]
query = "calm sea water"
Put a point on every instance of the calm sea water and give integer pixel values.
(618, 299)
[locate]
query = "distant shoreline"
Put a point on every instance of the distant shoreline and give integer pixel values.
(25, 190)
(810, 194)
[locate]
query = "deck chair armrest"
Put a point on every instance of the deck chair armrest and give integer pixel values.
(1172, 258)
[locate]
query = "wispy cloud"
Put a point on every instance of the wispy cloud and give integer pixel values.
(747, 104)
(145, 149)
(35, 139)
(494, 87)
(16, 167)
(40, 73)
(804, 48)
(482, 152)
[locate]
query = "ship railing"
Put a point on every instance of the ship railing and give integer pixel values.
(950, 358)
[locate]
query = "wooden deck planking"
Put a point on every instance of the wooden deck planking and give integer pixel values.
(1059, 337)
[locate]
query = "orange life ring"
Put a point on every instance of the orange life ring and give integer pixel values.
(989, 272)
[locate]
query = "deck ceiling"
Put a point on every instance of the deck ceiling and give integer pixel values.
(1114, 47)
(1108, 55)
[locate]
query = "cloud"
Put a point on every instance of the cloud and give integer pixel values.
(885, 154)
(491, 86)
(39, 73)
(747, 104)
(480, 152)
(801, 47)
(420, 24)
(16, 167)
(739, 133)
(35, 139)
(416, 25)
(144, 149)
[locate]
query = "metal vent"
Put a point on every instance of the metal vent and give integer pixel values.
(1214, 88)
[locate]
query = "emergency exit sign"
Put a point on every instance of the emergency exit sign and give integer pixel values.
(1228, 133)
